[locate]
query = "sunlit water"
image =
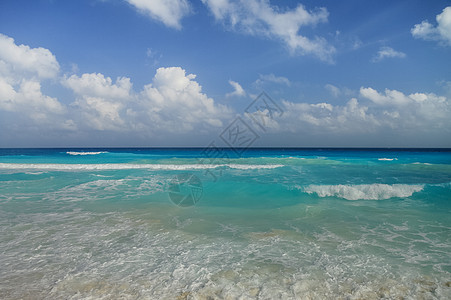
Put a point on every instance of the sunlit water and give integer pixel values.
(269, 224)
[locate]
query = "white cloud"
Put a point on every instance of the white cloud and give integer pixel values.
(169, 12)
(21, 71)
(325, 117)
(100, 100)
(19, 61)
(237, 89)
(417, 111)
(101, 113)
(28, 98)
(174, 102)
(440, 33)
(272, 78)
(97, 85)
(387, 52)
(397, 98)
(259, 18)
(374, 118)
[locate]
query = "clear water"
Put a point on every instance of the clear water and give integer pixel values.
(266, 224)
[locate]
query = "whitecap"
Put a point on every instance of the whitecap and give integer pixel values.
(125, 166)
(85, 153)
(364, 191)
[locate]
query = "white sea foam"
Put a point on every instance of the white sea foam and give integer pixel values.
(85, 153)
(387, 159)
(364, 191)
(124, 166)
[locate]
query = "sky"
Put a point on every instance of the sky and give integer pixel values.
(255, 73)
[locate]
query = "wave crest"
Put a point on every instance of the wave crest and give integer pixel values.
(85, 153)
(364, 191)
(125, 166)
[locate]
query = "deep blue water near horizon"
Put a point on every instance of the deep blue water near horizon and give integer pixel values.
(193, 223)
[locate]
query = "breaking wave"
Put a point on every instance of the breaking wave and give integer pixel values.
(364, 191)
(85, 153)
(15, 166)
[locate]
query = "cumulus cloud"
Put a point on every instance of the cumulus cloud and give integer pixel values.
(387, 52)
(97, 85)
(421, 111)
(99, 99)
(441, 32)
(390, 97)
(18, 61)
(21, 71)
(272, 78)
(174, 102)
(320, 117)
(370, 117)
(237, 89)
(28, 99)
(259, 18)
(169, 12)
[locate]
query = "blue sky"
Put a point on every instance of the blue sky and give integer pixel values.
(179, 72)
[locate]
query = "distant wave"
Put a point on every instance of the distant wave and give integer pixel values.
(364, 191)
(132, 166)
(85, 153)
(387, 159)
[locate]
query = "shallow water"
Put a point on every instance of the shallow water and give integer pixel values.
(271, 223)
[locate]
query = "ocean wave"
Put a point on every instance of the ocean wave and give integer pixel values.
(85, 153)
(364, 191)
(16, 166)
(387, 159)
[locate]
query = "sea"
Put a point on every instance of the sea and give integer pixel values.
(225, 223)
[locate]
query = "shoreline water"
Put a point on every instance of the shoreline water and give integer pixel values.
(323, 224)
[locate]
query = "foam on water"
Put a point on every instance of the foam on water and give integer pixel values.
(145, 256)
(364, 191)
(85, 153)
(107, 229)
(16, 166)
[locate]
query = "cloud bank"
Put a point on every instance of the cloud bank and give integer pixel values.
(389, 118)
(174, 105)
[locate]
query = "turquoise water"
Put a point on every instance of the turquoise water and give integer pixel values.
(192, 224)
